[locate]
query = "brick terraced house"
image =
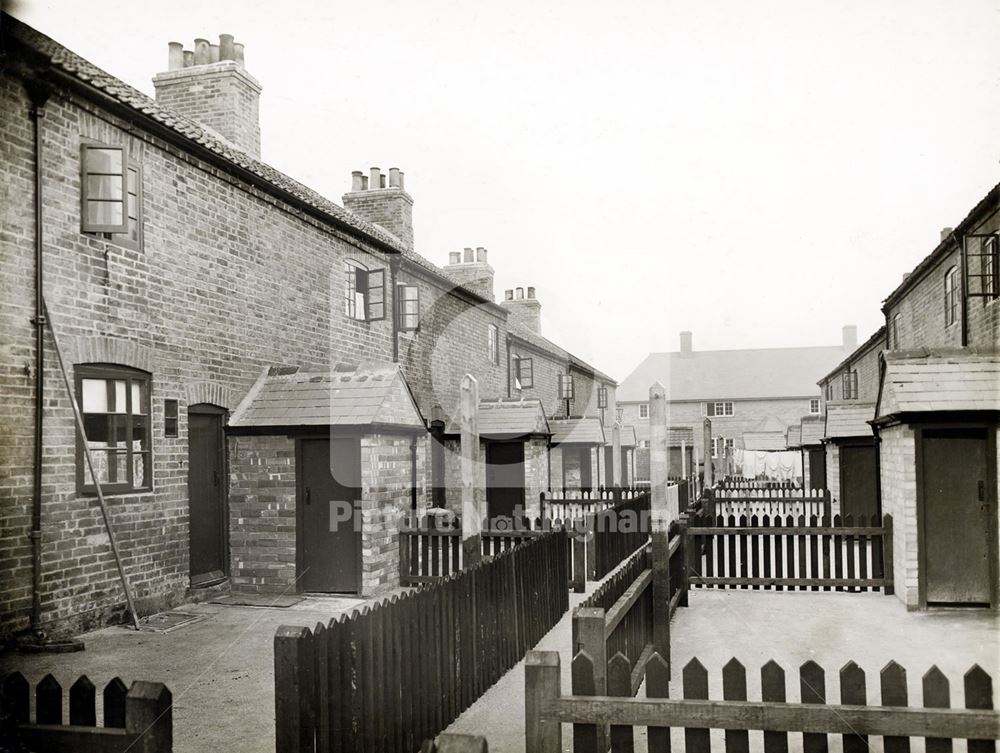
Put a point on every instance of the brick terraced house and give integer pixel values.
(251, 360)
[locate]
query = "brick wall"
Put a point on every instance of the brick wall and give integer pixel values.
(833, 471)
(212, 297)
(899, 495)
(536, 473)
(545, 386)
(865, 362)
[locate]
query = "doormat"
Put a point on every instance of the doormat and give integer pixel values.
(257, 600)
(166, 622)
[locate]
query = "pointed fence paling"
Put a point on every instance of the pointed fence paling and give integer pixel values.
(384, 679)
(138, 718)
(818, 713)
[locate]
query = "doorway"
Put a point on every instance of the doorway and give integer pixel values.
(206, 494)
(504, 479)
(817, 468)
(858, 480)
(329, 530)
(956, 488)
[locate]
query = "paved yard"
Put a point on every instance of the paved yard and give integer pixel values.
(791, 628)
(220, 670)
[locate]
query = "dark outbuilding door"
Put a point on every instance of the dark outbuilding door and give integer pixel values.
(504, 478)
(329, 531)
(956, 488)
(206, 494)
(858, 480)
(817, 468)
(609, 468)
(626, 471)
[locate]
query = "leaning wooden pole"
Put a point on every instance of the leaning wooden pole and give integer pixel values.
(90, 466)
(472, 516)
(660, 519)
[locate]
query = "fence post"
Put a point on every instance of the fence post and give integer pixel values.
(589, 632)
(404, 555)
(293, 690)
(579, 542)
(541, 685)
(889, 586)
(591, 541)
(687, 551)
(149, 714)
(472, 516)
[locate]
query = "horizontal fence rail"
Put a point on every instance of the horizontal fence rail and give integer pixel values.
(138, 718)
(815, 715)
(791, 553)
(386, 678)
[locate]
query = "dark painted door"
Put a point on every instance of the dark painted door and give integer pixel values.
(206, 494)
(504, 478)
(329, 531)
(817, 468)
(957, 516)
(609, 467)
(858, 480)
(626, 471)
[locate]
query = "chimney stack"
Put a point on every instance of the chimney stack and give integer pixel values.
(210, 85)
(381, 200)
(945, 232)
(523, 311)
(850, 337)
(470, 269)
(686, 349)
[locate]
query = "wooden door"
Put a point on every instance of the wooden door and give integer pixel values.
(504, 478)
(817, 468)
(956, 489)
(206, 494)
(626, 470)
(609, 466)
(858, 480)
(329, 531)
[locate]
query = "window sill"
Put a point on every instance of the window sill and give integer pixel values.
(113, 492)
(126, 244)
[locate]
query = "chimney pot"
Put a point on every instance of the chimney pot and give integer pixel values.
(520, 293)
(508, 295)
(188, 58)
(175, 56)
(239, 53)
(469, 255)
(481, 254)
(850, 337)
(402, 180)
(226, 51)
(375, 179)
(394, 177)
(202, 53)
(364, 182)
(945, 232)
(357, 180)
(455, 257)
(213, 53)
(531, 292)
(686, 343)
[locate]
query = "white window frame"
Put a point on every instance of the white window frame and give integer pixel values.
(727, 410)
(493, 343)
(644, 410)
(819, 406)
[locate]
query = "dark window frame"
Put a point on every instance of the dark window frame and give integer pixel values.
(951, 296)
(526, 382)
(990, 263)
(170, 418)
(712, 409)
(895, 324)
(407, 321)
(849, 385)
(371, 284)
(111, 373)
(86, 195)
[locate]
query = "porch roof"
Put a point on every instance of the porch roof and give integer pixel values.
(942, 380)
(628, 438)
(849, 420)
(793, 437)
(509, 418)
(813, 428)
(577, 430)
(346, 396)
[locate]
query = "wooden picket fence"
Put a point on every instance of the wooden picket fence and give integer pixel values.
(619, 531)
(546, 709)
(746, 484)
(139, 718)
(570, 504)
(386, 678)
(770, 502)
(790, 553)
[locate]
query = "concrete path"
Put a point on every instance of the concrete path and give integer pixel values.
(220, 669)
(791, 628)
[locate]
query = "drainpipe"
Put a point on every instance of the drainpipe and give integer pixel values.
(39, 95)
(393, 270)
(965, 292)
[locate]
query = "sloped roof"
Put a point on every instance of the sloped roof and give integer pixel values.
(850, 420)
(943, 380)
(877, 339)
(346, 397)
(675, 434)
(520, 332)
(628, 438)
(509, 418)
(576, 431)
(732, 374)
(813, 428)
(793, 437)
(769, 434)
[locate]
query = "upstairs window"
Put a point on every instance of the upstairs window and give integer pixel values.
(849, 385)
(565, 386)
(991, 268)
(525, 373)
(829, 391)
(721, 408)
(643, 410)
(115, 406)
(950, 296)
(111, 195)
(408, 302)
(894, 327)
(364, 292)
(493, 344)
(814, 406)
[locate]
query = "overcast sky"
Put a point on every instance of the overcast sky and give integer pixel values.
(760, 173)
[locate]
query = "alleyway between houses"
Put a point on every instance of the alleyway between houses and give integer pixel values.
(791, 628)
